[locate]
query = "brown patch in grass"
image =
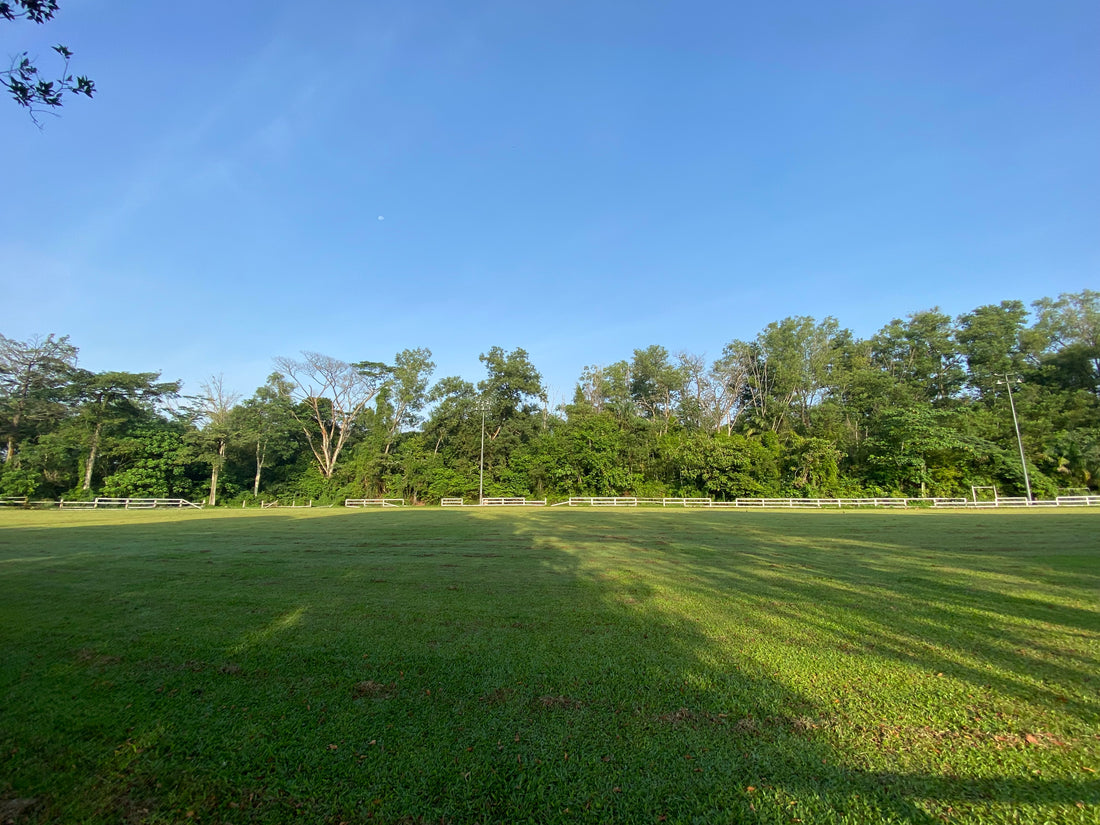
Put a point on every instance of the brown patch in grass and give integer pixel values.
(558, 703)
(87, 656)
(897, 736)
(803, 724)
(497, 697)
(745, 725)
(373, 689)
(678, 717)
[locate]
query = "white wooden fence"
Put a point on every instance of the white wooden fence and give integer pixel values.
(104, 502)
(819, 503)
(632, 501)
(126, 503)
(515, 501)
(294, 505)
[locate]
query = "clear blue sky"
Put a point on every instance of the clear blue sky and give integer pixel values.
(578, 179)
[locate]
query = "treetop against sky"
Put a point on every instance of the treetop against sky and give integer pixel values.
(570, 178)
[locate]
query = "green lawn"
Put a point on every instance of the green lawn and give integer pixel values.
(408, 666)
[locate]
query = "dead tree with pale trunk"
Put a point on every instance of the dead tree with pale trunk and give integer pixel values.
(216, 406)
(329, 395)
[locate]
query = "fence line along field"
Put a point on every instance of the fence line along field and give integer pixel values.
(576, 665)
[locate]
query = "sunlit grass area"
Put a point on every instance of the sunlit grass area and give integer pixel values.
(551, 666)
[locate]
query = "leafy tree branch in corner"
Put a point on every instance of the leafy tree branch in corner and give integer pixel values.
(23, 81)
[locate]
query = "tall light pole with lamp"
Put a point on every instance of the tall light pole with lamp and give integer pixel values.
(482, 407)
(1008, 382)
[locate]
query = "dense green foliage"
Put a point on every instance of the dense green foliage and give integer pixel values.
(805, 409)
(430, 666)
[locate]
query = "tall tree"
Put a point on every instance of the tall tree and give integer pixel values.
(920, 353)
(214, 414)
(1069, 330)
(33, 376)
(454, 399)
(730, 376)
(516, 402)
(330, 396)
(606, 388)
(696, 406)
(788, 368)
(109, 399)
(656, 384)
(512, 383)
(266, 423)
(406, 391)
(994, 341)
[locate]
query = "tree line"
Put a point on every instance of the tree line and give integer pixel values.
(806, 409)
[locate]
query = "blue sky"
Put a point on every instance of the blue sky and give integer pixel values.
(254, 179)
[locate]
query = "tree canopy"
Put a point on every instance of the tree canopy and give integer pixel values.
(804, 408)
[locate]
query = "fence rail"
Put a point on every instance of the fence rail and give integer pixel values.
(294, 505)
(104, 502)
(820, 503)
(1077, 501)
(633, 501)
(126, 503)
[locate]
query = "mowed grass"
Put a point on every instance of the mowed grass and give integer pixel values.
(408, 666)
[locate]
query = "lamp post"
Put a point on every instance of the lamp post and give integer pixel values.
(1016, 423)
(482, 407)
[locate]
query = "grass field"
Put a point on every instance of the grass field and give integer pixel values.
(549, 666)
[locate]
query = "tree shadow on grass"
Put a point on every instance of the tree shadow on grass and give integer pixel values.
(974, 634)
(489, 667)
(912, 601)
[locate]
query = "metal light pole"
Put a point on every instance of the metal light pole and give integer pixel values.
(1016, 423)
(483, 408)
